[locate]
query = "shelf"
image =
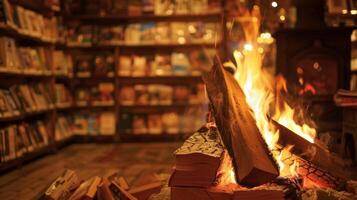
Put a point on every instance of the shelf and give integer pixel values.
(36, 6)
(17, 35)
(148, 45)
(170, 80)
(163, 137)
(156, 108)
(110, 19)
(340, 15)
(24, 116)
(94, 106)
(17, 162)
(16, 74)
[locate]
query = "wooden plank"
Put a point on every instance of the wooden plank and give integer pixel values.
(252, 161)
(312, 152)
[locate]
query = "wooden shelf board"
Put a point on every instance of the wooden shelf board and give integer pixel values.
(36, 6)
(13, 164)
(24, 116)
(110, 19)
(171, 80)
(12, 74)
(156, 108)
(13, 33)
(142, 45)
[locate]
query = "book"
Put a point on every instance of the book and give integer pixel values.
(107, 123)
(345, 98)
(63, 127)
(82, 96)
(62, 95)
(104, 66)
(102, 94)
(62, 63)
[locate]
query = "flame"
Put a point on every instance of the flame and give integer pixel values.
(259, 87)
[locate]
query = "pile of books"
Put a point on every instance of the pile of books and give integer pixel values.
(101, 94)
(94, 65)
(19, 139)
(28, 60)
(62, 63)
(145, 33)
(346, 98)
(69, 187)
(28, 22)
(63, 128)
(157, 94)
(162, 123)
(142, 7)
(25, 98)
(94, 123)
(63, 96)
(174, 64)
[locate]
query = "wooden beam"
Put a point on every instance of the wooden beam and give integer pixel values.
(252, 161)
(316, 154)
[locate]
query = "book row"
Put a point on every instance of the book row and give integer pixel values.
(63, 127)
(101, 94)
(94, 123)
(168, 123)
(157, 94)
(17, 140)
(192, 62)
(142, 7)
(145, 33)
(31, 60)
(31, 23)
(25, 98)
(63, 97)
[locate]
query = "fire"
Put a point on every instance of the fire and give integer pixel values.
(260, 91)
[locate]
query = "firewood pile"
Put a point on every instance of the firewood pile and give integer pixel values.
(320, 174)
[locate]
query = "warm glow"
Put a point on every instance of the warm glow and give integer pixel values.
(260, 89)
(274, 4)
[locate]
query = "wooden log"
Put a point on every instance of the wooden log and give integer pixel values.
(120, 193)
(63, 186)
(312, 152)
(253, 164)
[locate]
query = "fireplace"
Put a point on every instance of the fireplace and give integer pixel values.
(315, 60)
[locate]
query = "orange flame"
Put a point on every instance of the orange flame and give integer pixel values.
(259, 88)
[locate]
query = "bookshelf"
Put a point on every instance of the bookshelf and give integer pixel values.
(28, 112)
(60, 77)
(147, 49)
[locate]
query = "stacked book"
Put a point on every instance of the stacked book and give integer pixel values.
(94, 123)
(63, 96)
(28, 22)
(62, 63)
(16, 140)
(346, 98)
(174, 64)
(63, 128)
(27, 60)
(146, 33)
(101, 94)
(25, 98)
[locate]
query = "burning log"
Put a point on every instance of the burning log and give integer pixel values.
(253, 164)
(312, 152)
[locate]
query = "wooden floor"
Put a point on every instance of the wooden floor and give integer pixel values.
(134, 161)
